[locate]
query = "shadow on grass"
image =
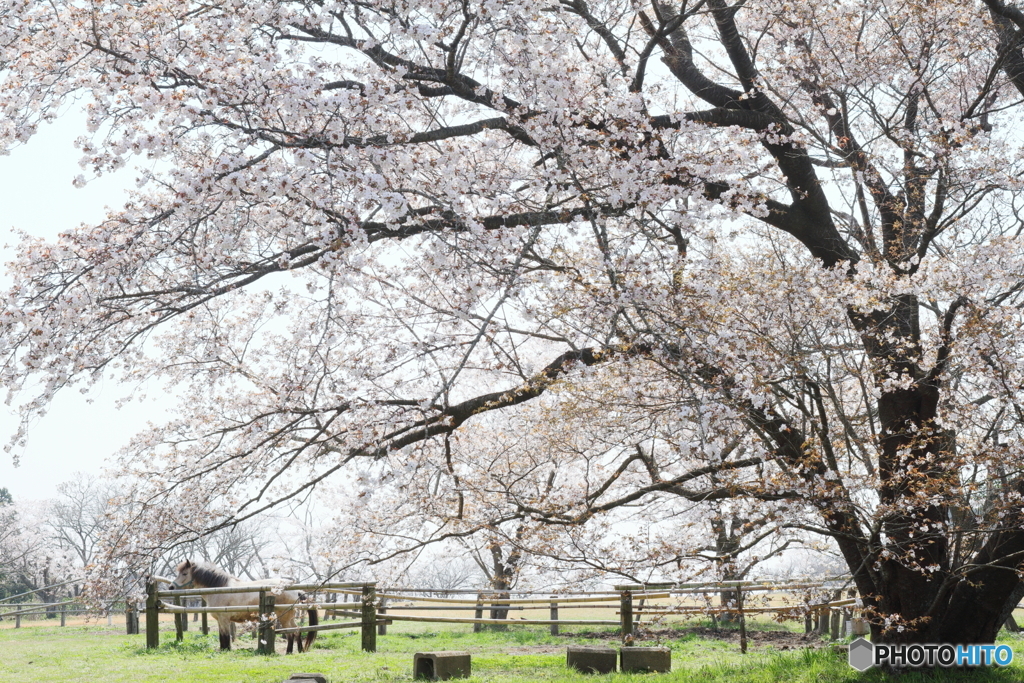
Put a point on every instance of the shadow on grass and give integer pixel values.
(192, 644)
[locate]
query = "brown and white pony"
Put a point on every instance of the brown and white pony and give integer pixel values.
(204, 575)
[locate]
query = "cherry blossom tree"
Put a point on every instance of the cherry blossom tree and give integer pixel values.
(10, 581)
(31, 559)
(361, 226)
(78, 515)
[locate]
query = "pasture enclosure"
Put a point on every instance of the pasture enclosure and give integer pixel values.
(628, 607)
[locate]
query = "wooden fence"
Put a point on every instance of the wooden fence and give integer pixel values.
(373, 611)
(65, 608)
(823, 613)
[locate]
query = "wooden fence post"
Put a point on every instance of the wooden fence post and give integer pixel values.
(479, 613)
(848, 613)
(743, 620)
(554, 616)
(131, 618)
(382, 629)
(17, 621)
(64, 616)
(830, 620)
(369, 617)
(626, 616)
(179, 620)
(152, 616)
(836, 623)
(206, 626)
(265, 633)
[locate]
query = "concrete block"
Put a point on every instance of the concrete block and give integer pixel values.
(591, 660)
(647, 659)
(440, 666)
(307, 678)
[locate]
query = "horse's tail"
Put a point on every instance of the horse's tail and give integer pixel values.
(311, 636)
(313, 621)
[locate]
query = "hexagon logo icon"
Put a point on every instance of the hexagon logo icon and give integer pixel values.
(862, 654)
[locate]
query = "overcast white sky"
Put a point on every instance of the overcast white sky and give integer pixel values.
(36, 195)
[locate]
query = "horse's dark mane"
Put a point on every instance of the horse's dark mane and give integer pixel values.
(209, 575)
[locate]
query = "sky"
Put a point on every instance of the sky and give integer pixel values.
(37, 196)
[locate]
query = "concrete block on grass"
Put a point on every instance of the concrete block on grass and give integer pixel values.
(645, 659)
(591, 660)
(440, 666)
(307, 678)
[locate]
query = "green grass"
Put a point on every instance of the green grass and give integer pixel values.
(87, 654)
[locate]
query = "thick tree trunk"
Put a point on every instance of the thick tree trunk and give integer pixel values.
(972, 612)
(502, 578)
(980, 606)
(907, 572)
(500, 613)
(727, 545)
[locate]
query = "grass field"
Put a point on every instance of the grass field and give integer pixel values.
(40, 653)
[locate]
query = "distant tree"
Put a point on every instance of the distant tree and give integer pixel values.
(11, 582)
(238, 549)
(501, 562)
(735, 537)
(78, 515)
(448, 570)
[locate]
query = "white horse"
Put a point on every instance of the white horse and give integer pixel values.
(204, 575)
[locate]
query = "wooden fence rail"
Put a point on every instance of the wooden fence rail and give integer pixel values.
(179, 609)
(271, 588)
(330, 627)
(500, 603)
(37, 607)
(35, 590)
(506, 622)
